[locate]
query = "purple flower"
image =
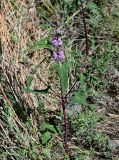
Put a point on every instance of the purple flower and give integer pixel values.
(57, 42)
(58, 55)
(61, 55)
(54, 55)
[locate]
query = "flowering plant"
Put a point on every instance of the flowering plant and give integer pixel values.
(64, 68)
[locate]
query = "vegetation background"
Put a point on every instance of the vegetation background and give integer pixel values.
(30, 123)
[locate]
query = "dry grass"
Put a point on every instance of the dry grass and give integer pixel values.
(20, 28)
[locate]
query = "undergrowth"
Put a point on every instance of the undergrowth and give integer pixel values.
(31, 116)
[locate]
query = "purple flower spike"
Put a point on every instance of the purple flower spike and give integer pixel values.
(61, 55)
(57, 42)
(57, 56)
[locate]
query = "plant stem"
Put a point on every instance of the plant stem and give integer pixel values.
(65, 125)
(63, 101)
(85, 29)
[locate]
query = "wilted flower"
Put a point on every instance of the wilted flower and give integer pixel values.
(57, 42)
(58, 31)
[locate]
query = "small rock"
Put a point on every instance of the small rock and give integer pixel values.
(113, 143)
(116, 73)
(74, 108)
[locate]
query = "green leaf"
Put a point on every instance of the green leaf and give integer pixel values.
(50, 127)
(30, 77)
(92, 5)
(79, 98)
(29, 80)
(82, 79)
(69, 2)
(82, 83)
(43, 43)
(64, 76)
(37, 91)
(46, 137)
(37, 67)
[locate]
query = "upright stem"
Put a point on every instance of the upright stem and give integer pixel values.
(85, 29)
(65, 125)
